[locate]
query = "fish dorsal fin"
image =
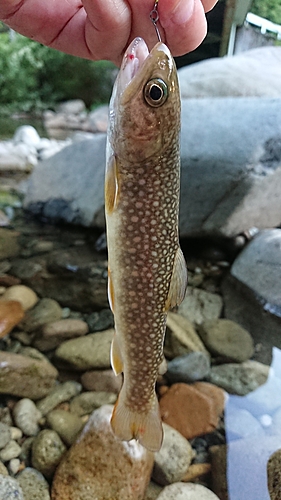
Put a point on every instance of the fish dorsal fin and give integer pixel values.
(111, 185)
(116, 356)
(178, 282)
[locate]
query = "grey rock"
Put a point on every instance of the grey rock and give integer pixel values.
(86, 353)
(252, 73)
(181, 337)
(14, 466)
(227, 340)
(101, 381)
(10, 489)
(189, 368)
(152, 492)
(47, 451)
(52, 334)
(186, 491)
(45, 311)
(101, 320)
(5, 435)
(252, 292)
(25, 377)
(65, 424)
(87, 402)
(61, 393)
(3, 470)
(33, 484)
(239, 163)
(199, 306)
(172, 461)
(72, 107)
(11, 450)
(240, 378)
(26, 134)
(9, 245)
(27, 416)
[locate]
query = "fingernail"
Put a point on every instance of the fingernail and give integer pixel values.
(181, 13)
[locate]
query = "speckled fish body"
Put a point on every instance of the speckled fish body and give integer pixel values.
(147, 271)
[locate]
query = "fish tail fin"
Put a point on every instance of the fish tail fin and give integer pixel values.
(145, 426)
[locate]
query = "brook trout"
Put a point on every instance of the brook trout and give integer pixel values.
(146, 268)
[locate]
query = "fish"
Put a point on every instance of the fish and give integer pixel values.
(147, 273)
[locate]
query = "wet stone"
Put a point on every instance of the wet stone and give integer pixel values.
(10, 489)
(9, 246)
(153, 490)
(181, 337)
(99, 321)
(101, 380)
(199, 306)
(188, 368)
(239, 378)
(274, 475)
(87, 402)
(5, 435)
(47, 452)
(23, 294)
(59, 394)
(11, 313)
(189, 491)
(26, 416)
(66, 424)
(45, 311)
(54, 333)
(11, 450)
(33, 485)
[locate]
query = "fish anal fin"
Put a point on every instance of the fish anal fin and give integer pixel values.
(145, 427)
(116, 356)
(178, 282)
(111, 185)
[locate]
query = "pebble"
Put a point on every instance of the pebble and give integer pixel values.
(99, 321)
(59, 394)
(274, 475)
(181, 337)
(16, 433)
(51, 335)
(26, 449)
(45, 311)
(47, 452)
(14, 466)
(199, 306)
(10, 489)
(3, 470)
(87, 402)
(11, 450)
(188, 410)
(33, 484)
(65, 424)
(239, 378)
(196, 471)
(218, 396)
(26, 416)
(189, 367)
(171, 463)
(153, 491)
(86, 353)
(23, 376)
(9, 246)
(11, 313)
(112, 468)
(101, 380)
(183, 491)
(224, 338)
(23, 294)
(5, 435)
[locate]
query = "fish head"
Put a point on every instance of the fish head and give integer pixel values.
(144, 113)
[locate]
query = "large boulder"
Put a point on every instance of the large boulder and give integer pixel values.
(231, 171)
(256, 72)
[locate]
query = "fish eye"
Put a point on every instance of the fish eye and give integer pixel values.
(155, 92)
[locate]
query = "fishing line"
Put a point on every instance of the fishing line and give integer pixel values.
(154, 17)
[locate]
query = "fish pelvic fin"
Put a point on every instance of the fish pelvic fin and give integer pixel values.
(178, 282)
(145, 427)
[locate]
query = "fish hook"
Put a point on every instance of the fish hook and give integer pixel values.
(154, 17)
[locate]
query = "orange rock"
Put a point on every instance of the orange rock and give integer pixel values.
(188, 410)
(11, 313)
(217, 394)
(195, 471)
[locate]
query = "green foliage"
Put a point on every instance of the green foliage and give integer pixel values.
(33, 76)
(269, 9)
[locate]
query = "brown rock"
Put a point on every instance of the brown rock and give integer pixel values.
(188, 410)
(11, 313)
(101, 466)
(196, 471)
(9, 246)
(23, 294)
(274, 475)
(101, 380)
(25, 377)
(45, 311)
(217, 394)
(52, 334)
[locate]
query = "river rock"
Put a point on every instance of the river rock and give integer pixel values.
(86, 353)
(25, 377)
(181, 337)
(199, 306)
(46, 311)
(183, 491)
(10, 489)
(23, 294)
(188, 368)
(33, 484)
(9, 246)
(53, 334)
(61, 393)
(71, 107)
(172, 461)
(238, 162)
(252, 292)
(26, 416)
(5, 435)
(10, 451)
(251, 73)
(87, 402)
(11, 313)
(227, 340)
(65, 424)
(111, 468)
(101, 380)
(152, 491)
(26, 134)
(274, 475)
(239, 378)
(47, 452)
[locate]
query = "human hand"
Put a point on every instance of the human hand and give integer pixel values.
(102, 29)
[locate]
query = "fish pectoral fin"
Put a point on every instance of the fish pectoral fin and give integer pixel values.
(145, 426)
(116, 356)
(111, 185)
(178, 282)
